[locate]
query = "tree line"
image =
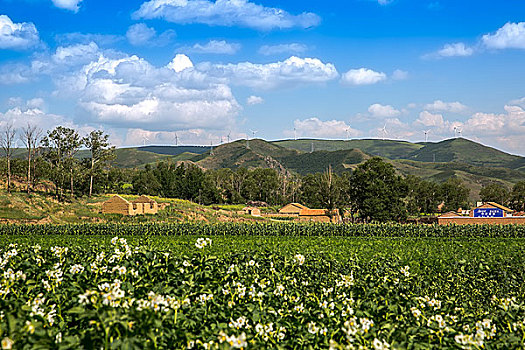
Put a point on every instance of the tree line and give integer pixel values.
(373, 191)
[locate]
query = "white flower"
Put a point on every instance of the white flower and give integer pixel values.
(299, 259)
(404, 271)
(312, 328)
(76, 269)
(380, 345)
(7, 343)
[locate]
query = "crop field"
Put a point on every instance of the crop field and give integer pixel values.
(286, 287)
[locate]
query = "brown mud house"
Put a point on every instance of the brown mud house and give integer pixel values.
(485, 213)
(119, 205)
(253, 211)
(303, 213)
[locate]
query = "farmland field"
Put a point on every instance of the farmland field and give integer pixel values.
(287, 289)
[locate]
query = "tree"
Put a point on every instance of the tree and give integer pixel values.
(377, 192)
(454, 194)
(423, 196)
(517, 196)
(61, 145)
(30, 136)
(7, 138)
(495, 192)
(101, 154)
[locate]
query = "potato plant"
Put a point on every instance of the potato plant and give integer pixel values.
(134, 293)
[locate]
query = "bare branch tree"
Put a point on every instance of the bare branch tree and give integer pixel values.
(31, 137)
(7, 138)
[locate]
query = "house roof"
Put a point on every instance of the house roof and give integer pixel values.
(144, 199)
(450, 214)
(494, 204)
(116, 198)
(292, 208)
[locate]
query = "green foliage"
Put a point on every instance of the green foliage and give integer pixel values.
(377, 192)
(518, 196)
(495, 192)
(454, 194)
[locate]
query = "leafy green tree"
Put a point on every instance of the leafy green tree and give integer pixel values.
(262, 185)
(378, 192)
(495, 192)
(517, 197)
(454, 194)
(101, 154)
(423, 196)
(146, 182)
(61, 144)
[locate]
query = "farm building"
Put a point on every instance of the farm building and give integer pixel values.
(484, 213)
(303, 213)
(292, 209)
(149, 206)
(253, 211)
(119, 205)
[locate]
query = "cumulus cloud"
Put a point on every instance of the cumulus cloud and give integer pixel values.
(220, 47)
(453, 107)
(383, 111)
(254, 100)
(17, 36)
(72, 5)
(293, 48)
(428, 119)
(229, 13)
(510, 36)
(180, 62)
(129, 91)
(363, 76)
(30, 112)
(292, 71)
(314, 127)
(140, 34)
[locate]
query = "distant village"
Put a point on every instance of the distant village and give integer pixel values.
(483, 213)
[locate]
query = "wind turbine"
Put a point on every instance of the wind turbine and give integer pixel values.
(347, 134)
(144, 139)
(176, 138)
(295, 134)
(254, 132)
(229, 138)
(426, 135)
(384, 131)
(455, 129)
(459, 132)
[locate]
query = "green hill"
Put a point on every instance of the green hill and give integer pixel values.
(465, 151)
(390, 149)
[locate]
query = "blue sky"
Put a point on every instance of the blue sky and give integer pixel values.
(144, 71)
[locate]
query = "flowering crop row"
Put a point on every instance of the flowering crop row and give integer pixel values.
(121, 295)
(269, 229)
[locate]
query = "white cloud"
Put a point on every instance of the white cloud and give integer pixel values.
(71, 5)
(454, 107)
(293, 48)
(140, 34)
(510, 36)
(254, 100)
(400, 75)
(362, 76)
(130, 92)
(180, 62)
(519, 102)
(28, 113)
(225, 13)
(314, 127)
(428, 119)
(292, 71)
(17, 36)
(383, 111)
(220, 47)
(455, 50)
(384, 2)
